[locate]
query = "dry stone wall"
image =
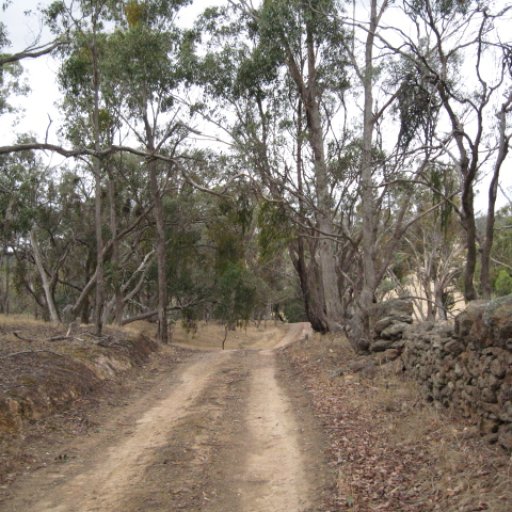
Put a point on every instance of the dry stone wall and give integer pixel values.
(467, 364)
(389, 321)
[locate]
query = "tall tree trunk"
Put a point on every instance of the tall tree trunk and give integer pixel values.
(503, 148)
(427, 289)
(310, 286)
(469, 224)
(50, 302)
(100, 267)
(360, 328)
(327, 247)
(161, 257)
(467, 168)
(7, 283)
(311, 292)
(118, 304)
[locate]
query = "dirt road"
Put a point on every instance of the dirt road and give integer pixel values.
(226, 432)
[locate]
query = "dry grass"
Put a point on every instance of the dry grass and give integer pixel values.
(46, 384)
(209, 336)
(393, 451)
(43, 369)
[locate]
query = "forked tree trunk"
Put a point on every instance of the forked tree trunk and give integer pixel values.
(50, 302)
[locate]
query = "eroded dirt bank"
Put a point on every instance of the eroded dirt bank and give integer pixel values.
(223, 432)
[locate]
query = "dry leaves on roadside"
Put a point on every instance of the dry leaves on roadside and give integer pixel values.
(392, 451)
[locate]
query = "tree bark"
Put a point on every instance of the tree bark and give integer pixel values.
(163, 334)
(118, 303)
(503, 148)
(360, 332)
(50, 302)
(310, 284)
(100, 267)
(310, 287)
(161, 257)
(327, 247)
(441, 313)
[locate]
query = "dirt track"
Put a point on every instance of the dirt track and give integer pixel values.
(225, 432)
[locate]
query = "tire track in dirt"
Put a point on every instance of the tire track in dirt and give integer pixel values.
(225, 433)
(274, 475)
(106, 483)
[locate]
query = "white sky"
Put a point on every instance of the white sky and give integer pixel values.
(39, 105)
(24, 29)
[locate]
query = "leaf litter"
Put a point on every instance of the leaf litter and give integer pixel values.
(391, 450)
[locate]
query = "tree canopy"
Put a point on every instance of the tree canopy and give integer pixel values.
(314, 157)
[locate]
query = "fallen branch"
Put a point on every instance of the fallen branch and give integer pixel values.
(142, 316)
(59, 338)
(30, 352)
(22, 338)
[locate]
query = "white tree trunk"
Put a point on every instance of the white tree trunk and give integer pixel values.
(54, 315)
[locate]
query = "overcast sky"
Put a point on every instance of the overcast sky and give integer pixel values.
(24, 28)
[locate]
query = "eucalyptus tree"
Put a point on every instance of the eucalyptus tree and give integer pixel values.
(280, 69)
(453, 39)
(370, 173)
(22, 186)
(144, 73)
(431, 253)
(81, 80)
(306, 39)
(45, 224)
(131, 235)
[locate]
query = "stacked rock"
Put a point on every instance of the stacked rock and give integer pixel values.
(468, 364)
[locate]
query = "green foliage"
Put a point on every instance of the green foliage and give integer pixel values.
(247, 53)
(502, 248)
(22, 182)
(11, 83)
(55, 14)
(444, 8)
(76, 72)
(285, 26)
(443, 183)
(275, 229)
(188, 264)
(294, 311)
(138, 65)
(503, 283)
(4, 40)
(237, 294)
(417, 107)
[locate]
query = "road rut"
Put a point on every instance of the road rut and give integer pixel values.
(222, 433)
